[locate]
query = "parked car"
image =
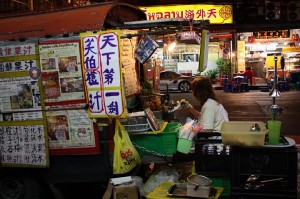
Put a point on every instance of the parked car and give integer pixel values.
(175, 81)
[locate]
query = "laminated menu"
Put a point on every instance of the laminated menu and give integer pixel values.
(154, 123)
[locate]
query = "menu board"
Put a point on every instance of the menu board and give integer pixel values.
(71, 132)
(154, 124)
(23, 145)
(19, 94)
(132, 84)
(23, 137)
(62, 83)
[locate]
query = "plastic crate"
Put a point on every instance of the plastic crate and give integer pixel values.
(208, 161)
(161, 192)
(218, 181)
(222, 182)
(163, 143)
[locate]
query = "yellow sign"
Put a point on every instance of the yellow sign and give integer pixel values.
(241, 55)
(216, 14)
(270, 61)
(290, 49)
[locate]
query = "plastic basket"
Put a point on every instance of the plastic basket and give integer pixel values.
(136, 124)
(162, 143)
(137, 127)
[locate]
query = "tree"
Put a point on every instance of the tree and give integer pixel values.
(212, 74)
(224, 66)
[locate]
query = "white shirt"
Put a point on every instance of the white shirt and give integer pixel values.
(213, 115)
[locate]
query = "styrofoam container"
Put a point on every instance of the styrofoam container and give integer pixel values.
(198, 186)
(241, 133)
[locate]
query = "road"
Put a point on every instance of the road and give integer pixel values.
(253, 106)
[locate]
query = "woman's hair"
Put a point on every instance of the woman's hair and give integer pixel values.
(202, 90)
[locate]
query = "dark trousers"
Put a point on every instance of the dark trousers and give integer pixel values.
(250, 81)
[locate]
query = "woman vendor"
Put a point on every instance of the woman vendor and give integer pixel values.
(212, 113)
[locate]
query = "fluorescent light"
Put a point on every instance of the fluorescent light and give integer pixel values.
(172, 46)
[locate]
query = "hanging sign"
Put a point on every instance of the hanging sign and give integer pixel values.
(190, 35)
(102, 74)
(132, 83)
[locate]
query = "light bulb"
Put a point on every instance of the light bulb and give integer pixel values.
(172, 46)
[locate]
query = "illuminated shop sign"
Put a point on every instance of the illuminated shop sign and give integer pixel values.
(291, 49)
(216, 14)
(272, 34)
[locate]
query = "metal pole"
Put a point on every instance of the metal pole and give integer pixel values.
(31, 5)
(275, 76)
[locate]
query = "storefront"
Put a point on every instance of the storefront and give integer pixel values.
(184, 57)
(257, 49)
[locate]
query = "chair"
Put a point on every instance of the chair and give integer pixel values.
(227, 85)
(298, 86)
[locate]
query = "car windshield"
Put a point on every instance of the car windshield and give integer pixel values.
(169, 74)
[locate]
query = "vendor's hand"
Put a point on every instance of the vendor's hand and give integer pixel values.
(185, 104)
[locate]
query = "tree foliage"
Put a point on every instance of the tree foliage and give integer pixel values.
(224, 66)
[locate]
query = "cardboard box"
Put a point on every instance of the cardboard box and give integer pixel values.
(129, 191)
(121, 188)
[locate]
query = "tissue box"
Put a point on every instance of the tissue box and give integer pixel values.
(129, 191)
(120, 188)
(239, 133)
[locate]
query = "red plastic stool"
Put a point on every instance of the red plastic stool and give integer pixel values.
(253, 81)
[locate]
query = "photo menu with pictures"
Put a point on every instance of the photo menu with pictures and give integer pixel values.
(61, 74)
(146, 48)
(19, 94)
(70, 129)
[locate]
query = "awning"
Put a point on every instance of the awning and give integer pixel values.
(75, 20)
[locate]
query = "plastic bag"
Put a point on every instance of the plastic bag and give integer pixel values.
(188, 130)
(166, 174)
(126, 156)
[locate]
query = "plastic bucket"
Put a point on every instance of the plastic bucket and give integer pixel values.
(184, 145)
